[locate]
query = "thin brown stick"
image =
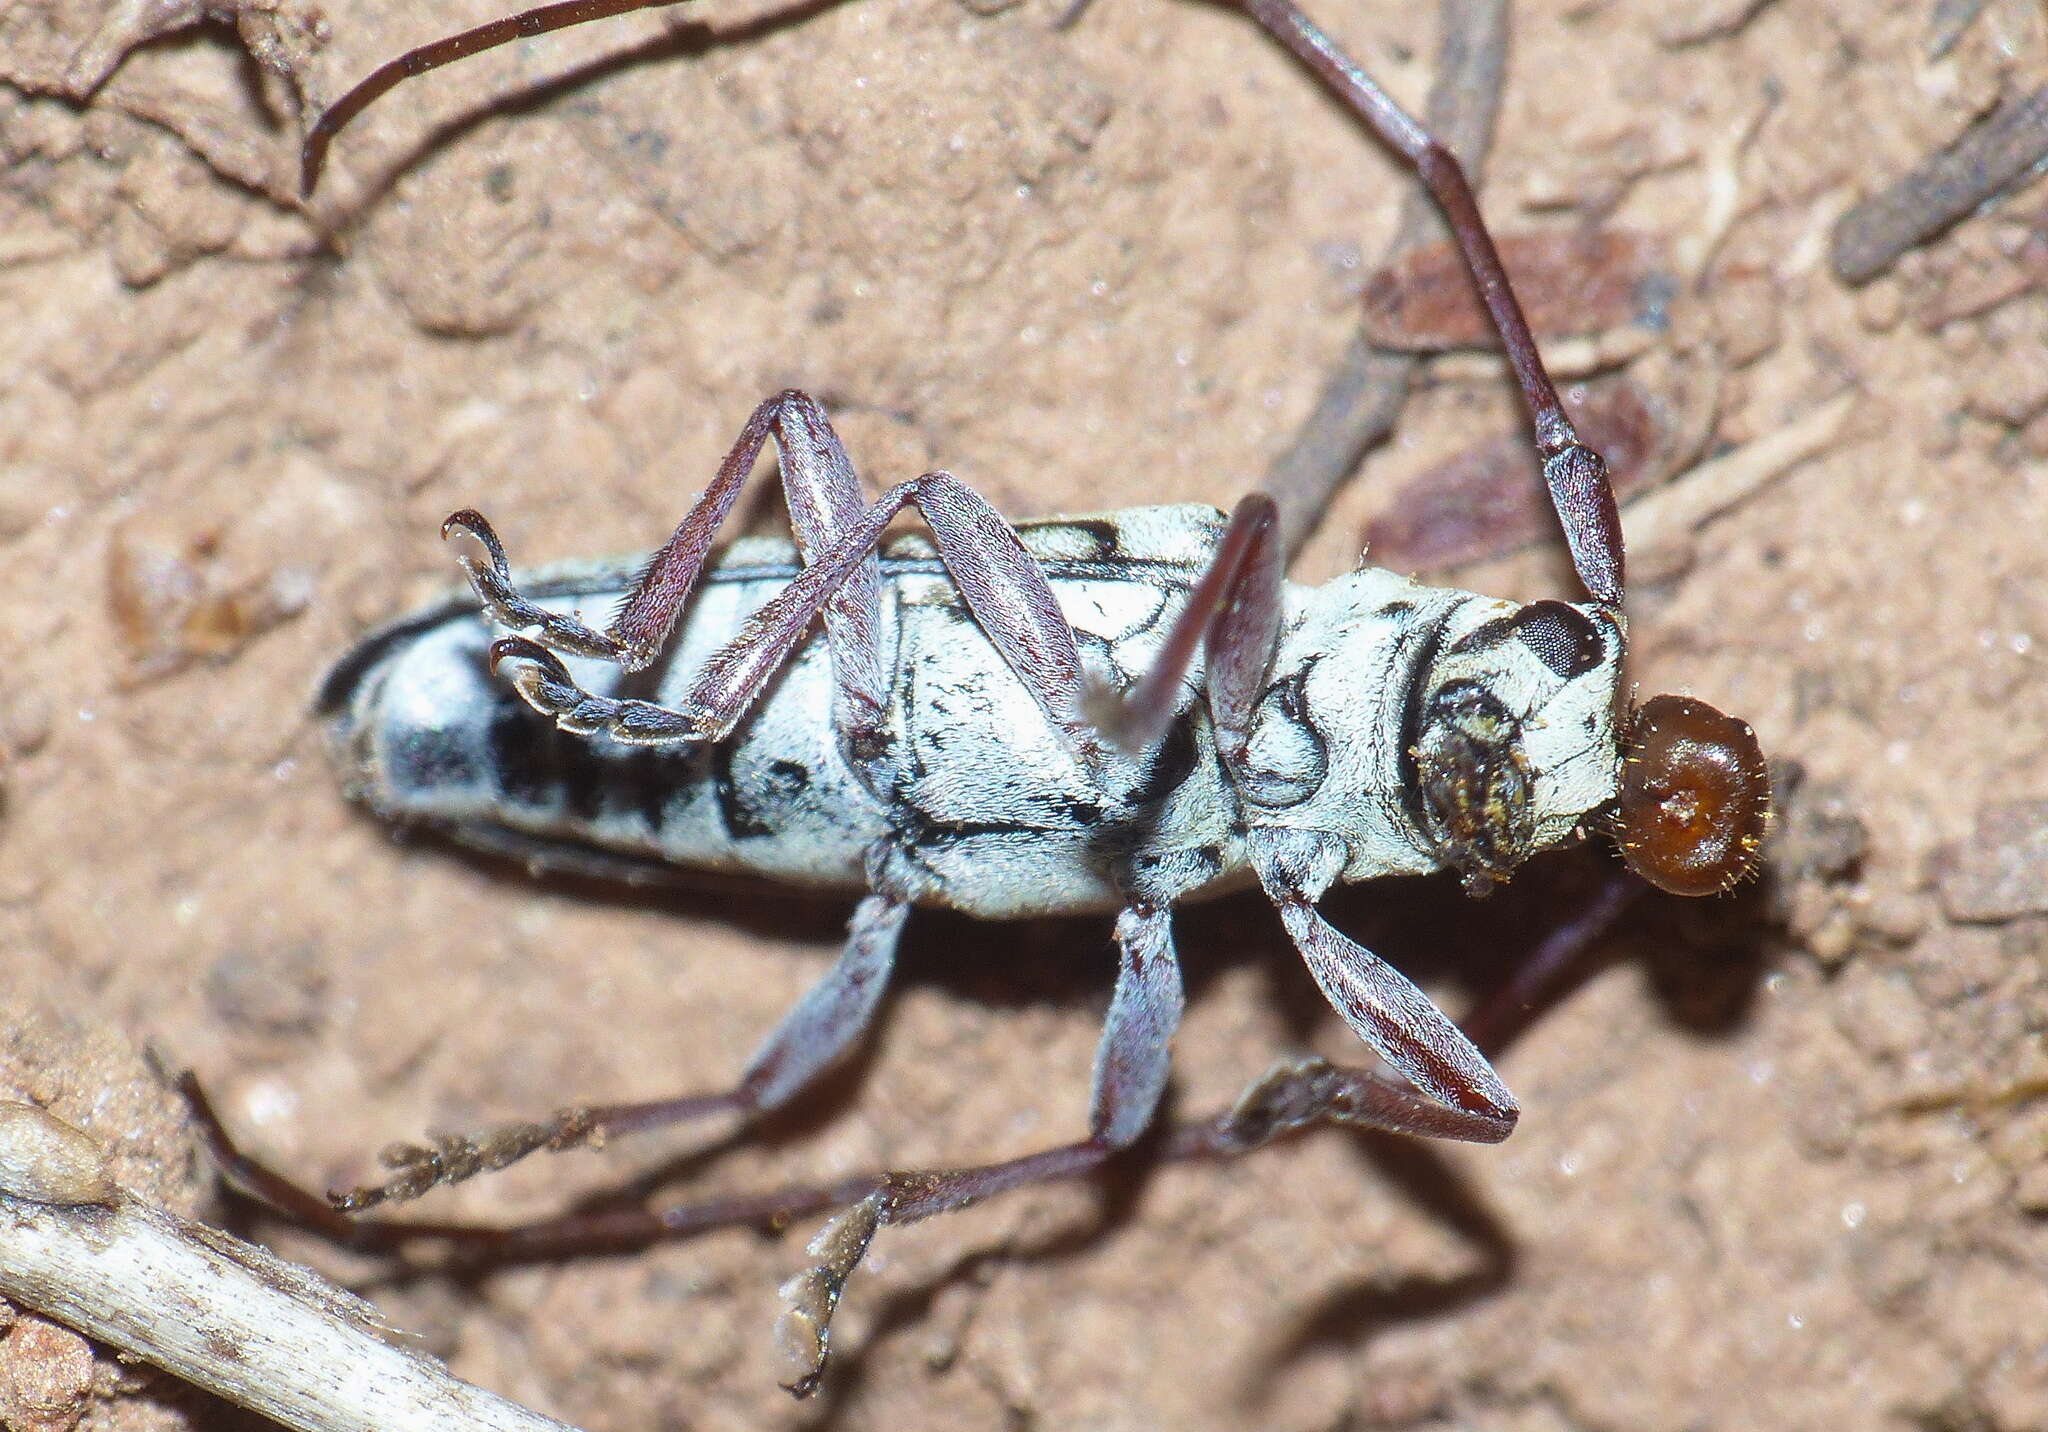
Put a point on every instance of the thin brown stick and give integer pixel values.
(2000, 153)
(1363, 395)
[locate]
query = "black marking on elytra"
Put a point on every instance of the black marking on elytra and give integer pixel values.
(646, 780)
(790, 778)
(1167, 603)
(414, 764)
(742, 821)
(1173, 761)
(1423, 645)
(510, 737)
(517, 738)
(540, 767)
(1490, 633)
(583, 779)
(920, 831)
(1102, 535)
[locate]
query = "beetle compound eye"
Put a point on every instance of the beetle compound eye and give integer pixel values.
(1563, 637)
(1695, 797)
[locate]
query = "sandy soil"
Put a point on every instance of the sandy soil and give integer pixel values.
(1785, 1158)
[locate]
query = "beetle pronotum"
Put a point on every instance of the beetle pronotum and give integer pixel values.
(1116, 712)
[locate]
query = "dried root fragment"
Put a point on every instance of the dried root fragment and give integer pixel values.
(1661, 524)
(207, 1307)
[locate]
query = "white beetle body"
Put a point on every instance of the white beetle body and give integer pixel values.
(991, 810)
(1118, 712)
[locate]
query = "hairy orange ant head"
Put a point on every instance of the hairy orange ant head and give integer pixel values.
(1695, 797)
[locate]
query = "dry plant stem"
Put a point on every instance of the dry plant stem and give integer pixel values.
(1950, 21)
(1995, 157)
(217, 1312)
(1665, 520)
(1363, 396)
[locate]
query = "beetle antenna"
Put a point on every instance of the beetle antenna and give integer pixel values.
(1574, 473)
(446, 51)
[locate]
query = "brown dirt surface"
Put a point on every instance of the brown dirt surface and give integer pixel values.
(1785, 1156)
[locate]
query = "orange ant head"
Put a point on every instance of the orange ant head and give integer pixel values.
(1695, 798)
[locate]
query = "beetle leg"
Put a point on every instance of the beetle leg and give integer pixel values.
(1400, 1022)
(1131, 1060)
(1382, 1006)
(1302, 1092)
(1130, 1074)
(1130, 1069)
(832, 1015)
(1000, 582)
(1234, 610)
(823, 498)
(1294, 1094)
(812, 1036)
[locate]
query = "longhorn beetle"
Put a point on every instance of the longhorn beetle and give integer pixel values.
(1118, 712)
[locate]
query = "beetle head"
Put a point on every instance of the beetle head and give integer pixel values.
(1512, 737)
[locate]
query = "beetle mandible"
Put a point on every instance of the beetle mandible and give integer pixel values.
(1113, 713)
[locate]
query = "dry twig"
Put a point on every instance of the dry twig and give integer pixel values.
(209, 1308)
(1998, 155)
